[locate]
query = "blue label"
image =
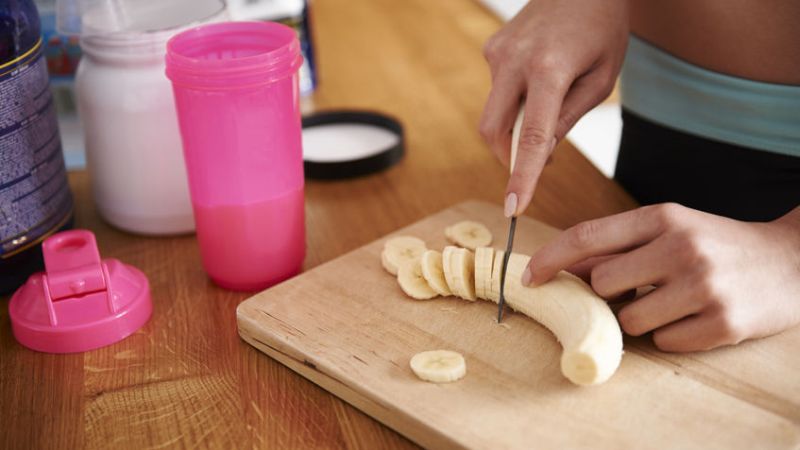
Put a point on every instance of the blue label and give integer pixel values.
(34, 195)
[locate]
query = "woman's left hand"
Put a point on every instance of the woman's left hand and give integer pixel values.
(718, 281)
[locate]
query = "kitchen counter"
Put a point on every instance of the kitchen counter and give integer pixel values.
(186, 379)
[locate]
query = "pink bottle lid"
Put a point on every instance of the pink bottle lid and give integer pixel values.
(79, 302)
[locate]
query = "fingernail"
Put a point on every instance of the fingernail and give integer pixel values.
(526, 277)
(511, 204)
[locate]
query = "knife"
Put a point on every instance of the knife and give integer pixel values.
(510, 245)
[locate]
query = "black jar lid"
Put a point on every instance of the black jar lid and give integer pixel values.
(345, 144)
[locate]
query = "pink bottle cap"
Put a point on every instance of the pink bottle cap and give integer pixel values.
(79, 302)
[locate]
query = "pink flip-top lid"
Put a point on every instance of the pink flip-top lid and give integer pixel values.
(79, 302)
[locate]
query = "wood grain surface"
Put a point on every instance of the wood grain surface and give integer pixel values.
(347, 326)
(186, 379)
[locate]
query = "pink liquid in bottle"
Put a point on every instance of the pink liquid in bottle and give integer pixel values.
(236, 93)
(227, 235)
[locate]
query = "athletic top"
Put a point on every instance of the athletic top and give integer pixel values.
(672, 92)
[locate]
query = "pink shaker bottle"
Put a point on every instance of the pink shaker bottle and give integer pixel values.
(236, 94)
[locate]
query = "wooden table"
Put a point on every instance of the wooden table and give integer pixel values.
(186, 379)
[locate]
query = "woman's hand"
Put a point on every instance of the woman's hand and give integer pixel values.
(718, 281)
(563, 59)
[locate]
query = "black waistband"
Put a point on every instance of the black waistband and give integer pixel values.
(658, 164)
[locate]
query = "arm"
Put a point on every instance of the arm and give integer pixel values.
(718, 281)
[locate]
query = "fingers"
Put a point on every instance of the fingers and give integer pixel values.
(696, 333)
(583, 269)
(617, 233)
(647, 265)
(661, 307)
(584, 94)
(499, 114)
(537, 137)
(624, 297)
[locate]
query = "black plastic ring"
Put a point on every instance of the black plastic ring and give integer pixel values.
(361, 166)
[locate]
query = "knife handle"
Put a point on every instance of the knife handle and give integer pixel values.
(515, 137)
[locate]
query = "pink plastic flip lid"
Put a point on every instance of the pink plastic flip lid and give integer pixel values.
(79, 302)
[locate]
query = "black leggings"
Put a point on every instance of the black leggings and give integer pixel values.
(658, 164)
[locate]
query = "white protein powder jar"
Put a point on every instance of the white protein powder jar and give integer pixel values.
(133, 145)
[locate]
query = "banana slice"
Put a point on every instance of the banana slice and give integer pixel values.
(484, 258)
(462, 266)
(469, 234)
(401, 250)
(447, 268)
(433, 272)
(493, 293)
(413, 283)
(439, 366)
(581, 321)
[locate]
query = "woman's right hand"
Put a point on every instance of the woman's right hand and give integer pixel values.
(562, 58)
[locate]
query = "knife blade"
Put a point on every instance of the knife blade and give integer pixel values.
(509, 247)
(513, 226)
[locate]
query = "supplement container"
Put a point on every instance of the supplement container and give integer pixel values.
(292, 13)
(35, 200)
(236, 92)
(133, 147)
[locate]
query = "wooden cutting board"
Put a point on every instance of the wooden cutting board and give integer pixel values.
(347, 326)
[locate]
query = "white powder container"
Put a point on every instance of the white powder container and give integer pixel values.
(133, 145)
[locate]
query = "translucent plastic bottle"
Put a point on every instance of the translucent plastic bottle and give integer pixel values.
(35, 200)
(236, 93)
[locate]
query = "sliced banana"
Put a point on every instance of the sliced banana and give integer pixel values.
(484, 258)
(462, 266)
(413, 283)
(439, 366)
(493, 293)
(401, 250)
(469, 234)
(433, 272)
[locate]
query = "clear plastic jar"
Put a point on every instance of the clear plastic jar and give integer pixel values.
(133, 146)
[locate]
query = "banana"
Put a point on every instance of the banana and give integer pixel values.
(433, 272)
(401, 250)
(484, 258)
(469, 234)
(413, 283)
(493, 292)
(581, 321)
(447, 268)
(462, 266)
(438, 366)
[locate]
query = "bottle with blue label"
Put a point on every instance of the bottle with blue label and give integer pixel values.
(35, 200)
